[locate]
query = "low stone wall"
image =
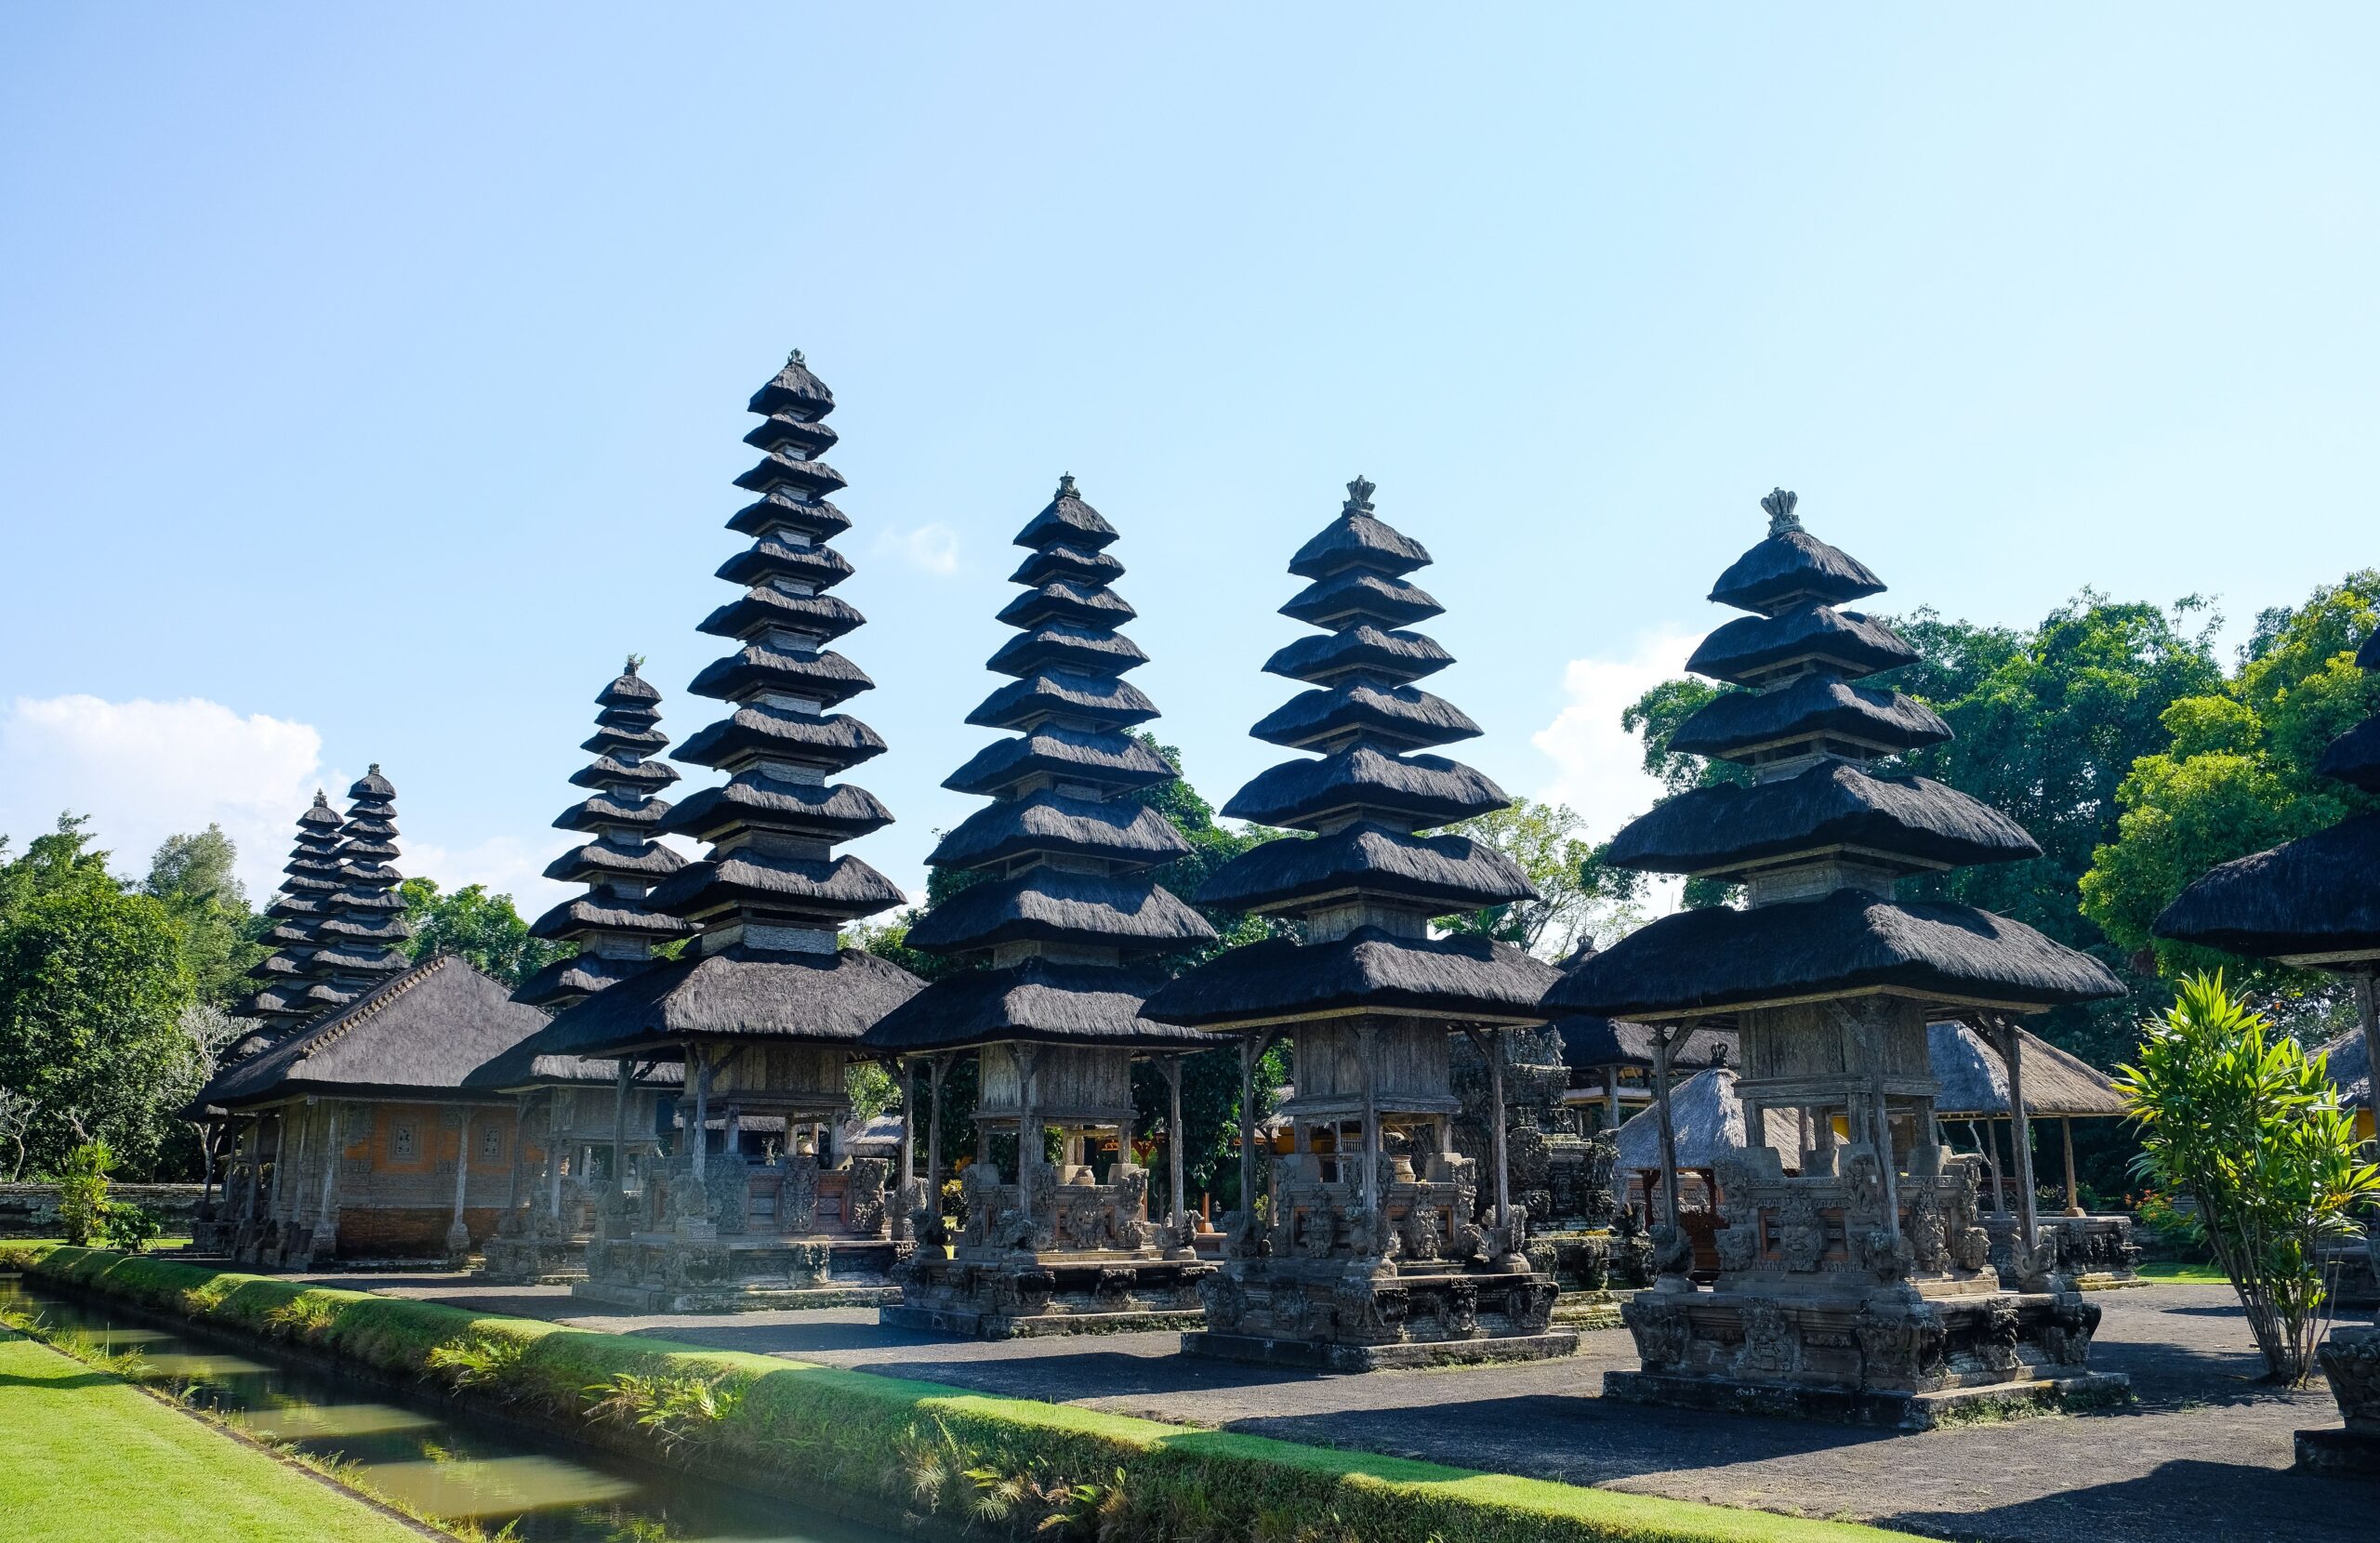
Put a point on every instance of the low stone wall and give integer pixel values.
(30, 1210)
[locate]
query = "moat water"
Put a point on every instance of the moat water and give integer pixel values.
(504, 1478)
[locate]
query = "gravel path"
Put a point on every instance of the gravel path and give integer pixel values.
(2205, 1454)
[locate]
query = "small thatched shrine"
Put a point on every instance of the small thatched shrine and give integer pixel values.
(2315, 902)
(589, 1113)
(1706, 1130)
(763, 1009)
(1058, 932)
(1854, 1284)
(1381, 1243)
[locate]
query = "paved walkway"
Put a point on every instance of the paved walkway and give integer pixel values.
(2205, 1454)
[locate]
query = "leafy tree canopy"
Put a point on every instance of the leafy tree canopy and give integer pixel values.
(191, 877)
(1577, 893)
(483, 927)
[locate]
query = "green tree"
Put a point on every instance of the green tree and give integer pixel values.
(93, 985)
(483, 927)
(2249, 1125)
(191, 877)
(1577, 891)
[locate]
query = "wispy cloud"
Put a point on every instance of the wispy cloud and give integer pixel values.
(144, 771)
(933, 547)
(1601, 766)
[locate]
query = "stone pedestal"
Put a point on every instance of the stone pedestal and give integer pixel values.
(2350, 1359)
(2095, 1253)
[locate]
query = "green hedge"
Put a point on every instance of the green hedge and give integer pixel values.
(933, 1454)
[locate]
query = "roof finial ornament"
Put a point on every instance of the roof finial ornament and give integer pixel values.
(1065, 486)
(1780, 505)
(322, 799)
(636, 662)
(372, 770)
(1360, 495)
(794, 358)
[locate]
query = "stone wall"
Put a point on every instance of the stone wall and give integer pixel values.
(30, 1210)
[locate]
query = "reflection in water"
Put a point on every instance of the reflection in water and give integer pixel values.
(440, 1463)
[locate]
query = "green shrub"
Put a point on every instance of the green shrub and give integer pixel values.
(83, 1203)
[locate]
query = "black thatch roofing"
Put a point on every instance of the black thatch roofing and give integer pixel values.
(602, 811)
(1975, 1081)
(1088, 605)
(2348, 1061)
(739, 993)
(318, 816)
(1059, 646)
(1066, 521)
(2354, 757)
(838, 889)
(1430, 790)
(377, 926)
(1718, 959)
(1446, 873)
(1388, 715)
(825, 677)
(1460, 978)
(1715, 830)
(1750, 647)
(531, 1063)
(833, 741)
(811, 479)
(1067, 561)
(767, 558)
(628, 689)
(1048, 906)
(565, 981)
(1105, 760)
(2317, 894)
(818, 519)
(762, 606)
(424, 1030)
(607, 773)
(372, 787)
(794, 392)
(1396, 657)
(1358, 540)
(1035, 1001)
(1591, 1041)
(1358, 594)
(1706, 1123)
(805, 439)
(1046, 821)
(611, 738)
(1025, 702)
(836, 812)
(1789, 566)
(600, 862)
(607, 911)
(1810, 706)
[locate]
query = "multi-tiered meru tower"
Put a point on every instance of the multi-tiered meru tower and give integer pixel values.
(359, 937)
(2315, 902)
(296, 912)
(580, 1107)
(1381, 1245)
(764, 1009)
(1859, 1287)
(1062, 925)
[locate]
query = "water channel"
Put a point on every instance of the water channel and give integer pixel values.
(442, 1464)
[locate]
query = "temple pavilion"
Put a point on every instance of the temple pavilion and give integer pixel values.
(2315, 903)
(763, 1009)
(1855, 1283)
(1058, 932)
(589, 1113)
(1381, 1243)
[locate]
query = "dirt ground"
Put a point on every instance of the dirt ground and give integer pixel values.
(2204, 1452)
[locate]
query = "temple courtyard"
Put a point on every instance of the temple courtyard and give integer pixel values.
(2205, 1439)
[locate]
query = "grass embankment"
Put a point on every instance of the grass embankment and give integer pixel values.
(891, 1448)
(91, 1459)
(2168, 1273)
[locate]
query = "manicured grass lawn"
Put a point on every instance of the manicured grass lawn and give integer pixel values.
(2172, 1274)
(92, 1459)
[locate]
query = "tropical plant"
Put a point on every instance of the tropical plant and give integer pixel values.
(2239, 1117)
(83, 1203)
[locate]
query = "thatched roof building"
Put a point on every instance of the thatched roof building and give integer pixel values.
(1975, 1080)
(613, 925)
(1710, 1122)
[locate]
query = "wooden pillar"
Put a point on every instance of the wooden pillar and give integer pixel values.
(1251, 1049)
(1364, 1035)
(1177, 1208)
(1663, 1036)
(327, 1216)
(620, 1127)
(553, 1152)
(2066, 1139)
(935, 1069)
(702, 1107)
(1495, 1049)
(908, 1069)
(2020, 1127)
(207, 1170)
(1988, 1144)
(458, 1234)
(1028, 1119)
(1611, 1098)
(512, 1177)
(253, 1138)
(730, 1139)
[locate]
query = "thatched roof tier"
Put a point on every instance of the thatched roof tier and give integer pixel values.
(283, 965)
(372, 787)
(1124, 835)
(611, 739)
(1975, 1080)
(1067, 562)
(1791, 567)
(609, 810)
(802, 478)
(799, 437)
(357, 957)
(1059, 646)
(366, 855)
(295, 907)
(604, 861)
(793, 392)
(1358, 540)
(1717, 960)
(1365, 783)
(565, 981)
(610, 772)
(755, 730)
(1035, 1002)
(368, 926)
(2347, 1058)
(1591, 1042)
(531, 1063)
(1812, 709)
(1053, 905)
(608, 911)
(1084, 700)
(2315, 899)
(1369, 861)
(825, 677)
(1461, 979)
(1085, 605)
(765, 608)
(320, 819)
(1103, 760)
(370, 821)
(815, 890)
(738, 992)
(1363, 650)
(2354, 757)
(1358, 595)
(836, 811)
(1901, 820)
(630, 691)
(1752, 649)
(1706, 1124)
(424, 1029)
(1068, 522)
(1332, 718)
(769, 558)
(818, 519)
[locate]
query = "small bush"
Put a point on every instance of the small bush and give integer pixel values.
(83, 1204)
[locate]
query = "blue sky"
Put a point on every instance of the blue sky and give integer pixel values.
(370, 381)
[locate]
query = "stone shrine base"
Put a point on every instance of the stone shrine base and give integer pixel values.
(1902, 1411)
(1324, 1356)
(661, 1272)
(533, 1260)
(1010, 1295)
(2338, 1454)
